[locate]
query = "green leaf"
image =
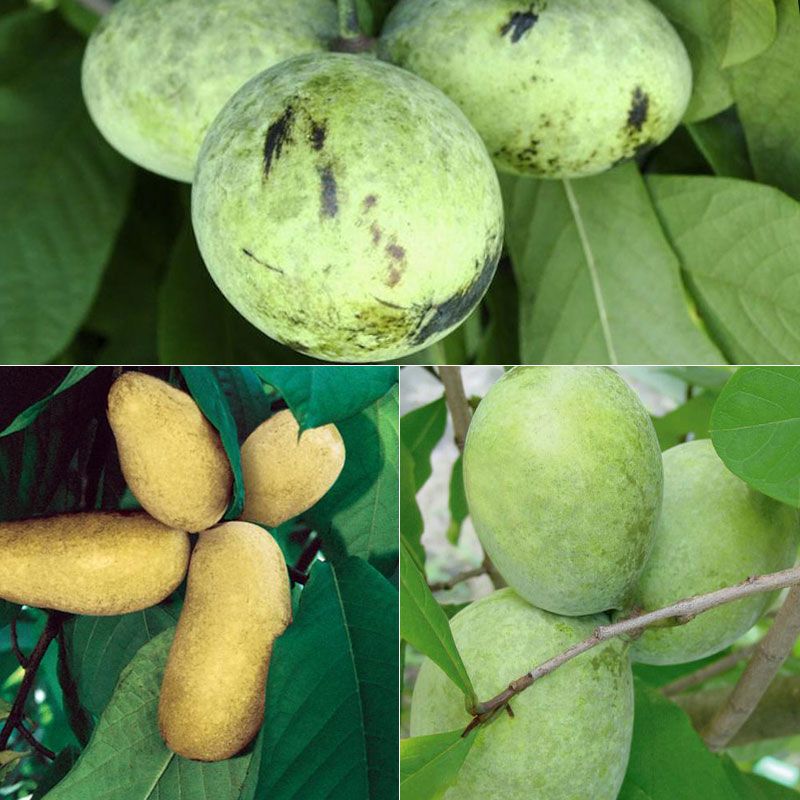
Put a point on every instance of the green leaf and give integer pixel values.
(246, 396)
(319, 395)
(767, 93)
(752, 787)
(721, 141)
(64, 189)
(7, 612)
(457, 503)
(24, 419)
(739, 244)
(64, 762)
(332, 691)
(359, 515)
(126, 757)
(424, 625)
(668, 759)
(742, 29)
(499, 342)
(429, 764)
(694, 23)
(598, 281)
(206, 391)
(755, 428)
(99, 648)
(420, 432)
(692, 417)
(411, 524)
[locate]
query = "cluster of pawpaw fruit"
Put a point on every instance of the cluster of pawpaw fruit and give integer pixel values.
(587, 520)
(348, 205)
(237, 595)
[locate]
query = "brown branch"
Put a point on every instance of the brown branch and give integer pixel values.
(678, 613)
(460, 409)
(443, 586)
(308, 555)
(700, 676)
(767, 660)
(99, 7)
(22, 659)
(55, 619)
(34, 742)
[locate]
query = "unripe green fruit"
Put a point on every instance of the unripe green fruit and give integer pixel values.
(562, 472)
(571, 732)
(714, 531)
(556, 88)
(157, 72)
(347, 208)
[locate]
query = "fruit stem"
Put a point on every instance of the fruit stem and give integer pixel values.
(633, 626)
(351, 38)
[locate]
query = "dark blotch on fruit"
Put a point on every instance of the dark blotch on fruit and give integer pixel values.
(519, 23)
(369, 202)
(640, 105)
(328, 200)
(318, 132)
(376, 233)
(249, 254)
(278, 134)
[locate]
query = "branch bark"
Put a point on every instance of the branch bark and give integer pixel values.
(457, 403)
(99, 7)
(769, 655)
(443, 586)
(678, 613)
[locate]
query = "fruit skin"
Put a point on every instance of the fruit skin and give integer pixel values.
(285, 472)
(157, 72)
(100, 563)
(347, 208)
(562, 472)
(556, 88)
(571, 733)
(237, 603)
(171, 456)
(714, 531)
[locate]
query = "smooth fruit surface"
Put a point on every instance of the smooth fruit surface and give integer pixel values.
(571, 732)
(714, 531)
(99, 563)
(347, 208)
(237, 604)
(285, 472)
(157, 72)
(556, 88)
(562, 472)
(171, 456)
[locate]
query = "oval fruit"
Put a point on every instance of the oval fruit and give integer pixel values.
(237, 603)
(714, 531)
(99, 562)
(285, 472)
(571, 732)
(556, 88)
(562, 472)
(171, 456)
(157, 72)
(347, 208)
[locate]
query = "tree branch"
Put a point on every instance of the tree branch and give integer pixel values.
(719, 667)
(767, 659)
(22, 659)
(678, 613)
(34, 742)
(99, 7)
(457, 403)
(443, 586)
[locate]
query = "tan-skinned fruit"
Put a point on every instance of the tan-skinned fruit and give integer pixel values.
(237, 604)
(285, 473)
(171, 456)
(98, 563)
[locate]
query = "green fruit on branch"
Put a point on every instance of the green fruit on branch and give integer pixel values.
(714, 531)
(98, 563)
(347, 208)
(571, 732)
(562, 472)
(157, 72)
(237, 603)
(556, 88)
(171, 456)
(286, 472)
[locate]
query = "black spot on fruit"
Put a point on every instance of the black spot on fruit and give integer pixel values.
(249, 254)
(377, 233)
(278, 134)
(397, 263)
(456, 307)
(329, 204)
(519, 23)
(640, 105)
(317, 135)
(395, 251)
(369, 202)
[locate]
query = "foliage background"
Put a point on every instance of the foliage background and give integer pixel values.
(695, 247)
(669, 759)
(332, 690)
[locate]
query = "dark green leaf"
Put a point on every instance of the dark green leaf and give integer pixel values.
(420, 431)
(64, 762)
(692, 417)
(318, 395)
(429, 764)
(499, 343)
(755, 427)
(722, 143)
(458, 501)
(751, 787)
(64, 189)
(411, 524)
(246, 397)
(742, 29)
